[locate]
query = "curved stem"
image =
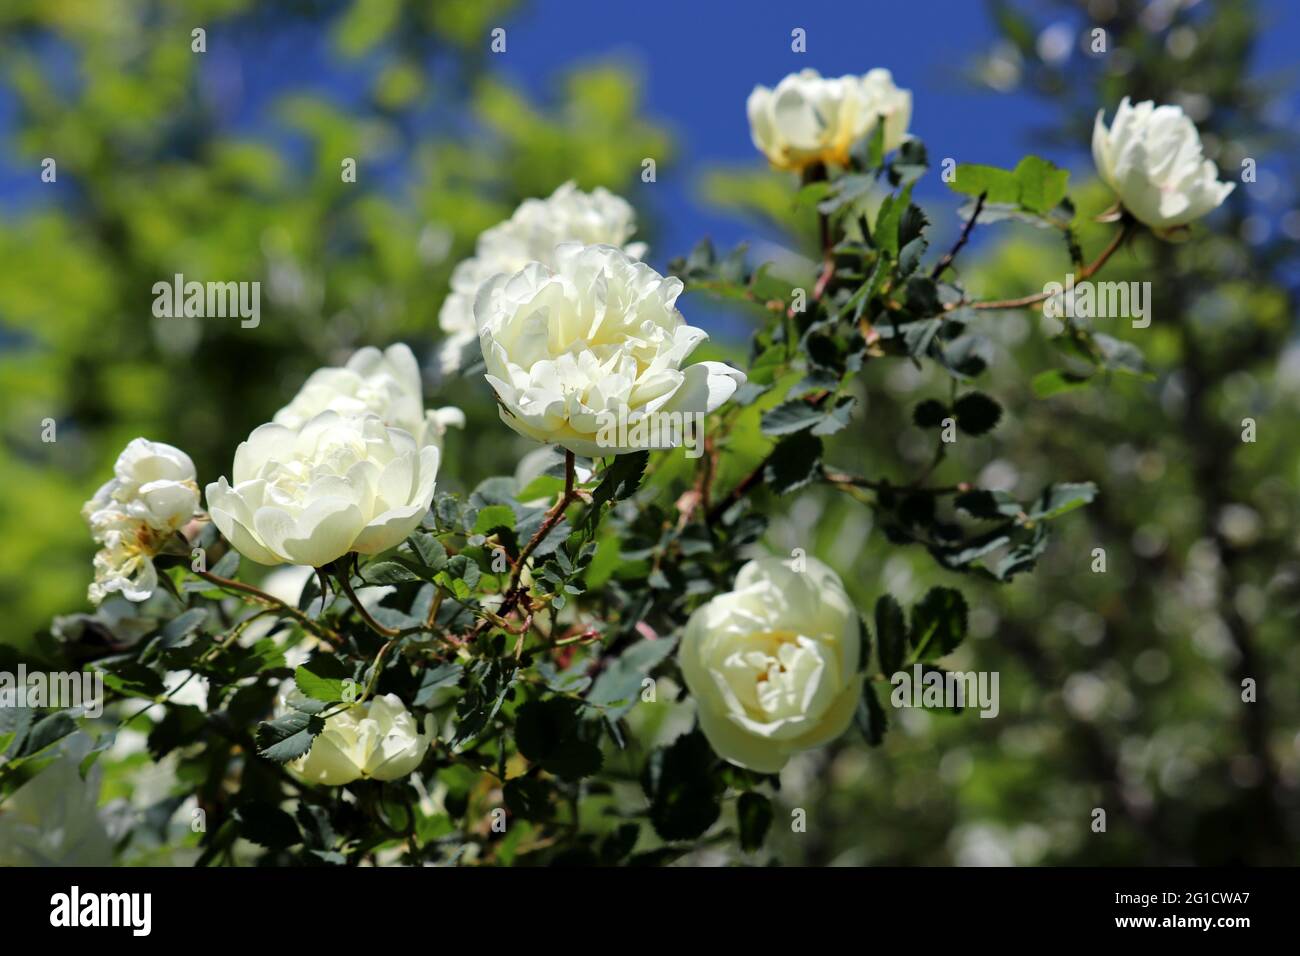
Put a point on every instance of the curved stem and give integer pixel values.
(553, 518)
(383, 631)
(262, 597)
(1087, 272)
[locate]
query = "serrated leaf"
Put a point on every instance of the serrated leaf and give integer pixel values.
(795, 462)
(322, 678)
(938, 624)
(494, 517)
(288, 737)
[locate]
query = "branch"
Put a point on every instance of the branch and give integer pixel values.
(343, 575)
(1089, 270)
(966, 230)
(262, 597)
(553, 517)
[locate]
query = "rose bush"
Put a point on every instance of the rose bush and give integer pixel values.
(542, 621)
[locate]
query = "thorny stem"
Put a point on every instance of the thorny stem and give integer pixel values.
(553, 517)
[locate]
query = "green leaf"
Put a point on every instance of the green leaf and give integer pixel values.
(267, 825)
(1035, 184)
(547, 732)
(795, 462)
(684, 791)
(428, 550)
(976, 413)
(790, 417)
(998, 185)
(288, 737)
(1054, 381)
(436, 679)
(494, 517)
(891, 634)
(388, 572)
(46, 731)
(322, 678)
(132, 678)
(529, 798)
(938, 624)
(1042, 184)
(870, 717)
(618, 688)
(754, 813)
(837, 417)
(620, 480)
(1059, 499)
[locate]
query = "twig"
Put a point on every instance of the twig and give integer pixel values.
(966, 230)
(261, 596)
(1087, 271)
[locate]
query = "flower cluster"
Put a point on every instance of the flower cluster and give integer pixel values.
(532, 234)
(811, 119)
(577, 333)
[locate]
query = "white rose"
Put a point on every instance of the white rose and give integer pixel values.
(810, 119)
(124, 565)
(151, 496)
(773, 664)
(385, 383)
(153, 483)
(378, 739)
(570, 351)
(311, 495)
(1151, 157)
(531, 235)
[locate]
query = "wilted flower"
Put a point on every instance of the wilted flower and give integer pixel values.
(377, 739)
(810, 119)
(311, 495)
(773, 664)
(531, 235)
(597, 338)
(1151, 156)
(151, 496)
(385, 383)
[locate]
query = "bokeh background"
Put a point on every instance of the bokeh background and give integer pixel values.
(1119, 690)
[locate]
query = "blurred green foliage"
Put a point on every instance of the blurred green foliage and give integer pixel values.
(154, 179)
